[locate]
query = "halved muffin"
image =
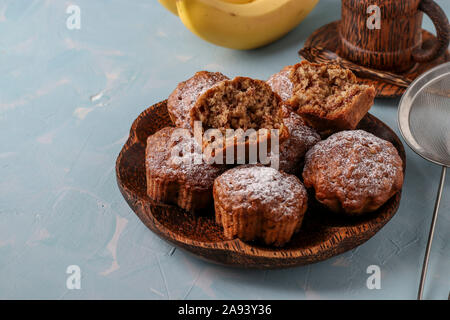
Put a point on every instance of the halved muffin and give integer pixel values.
(242, 112)
(327, 96)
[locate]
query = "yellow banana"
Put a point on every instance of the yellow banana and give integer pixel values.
(237, 1)
(172, 6)
(245, 25)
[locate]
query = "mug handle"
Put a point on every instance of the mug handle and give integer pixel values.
(436, 47)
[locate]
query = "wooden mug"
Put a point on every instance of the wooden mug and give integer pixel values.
(394, 42)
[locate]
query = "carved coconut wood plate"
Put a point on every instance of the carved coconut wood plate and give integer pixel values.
(323, 234)
(327, 38)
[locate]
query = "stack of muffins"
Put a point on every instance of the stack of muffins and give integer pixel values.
(351, 171)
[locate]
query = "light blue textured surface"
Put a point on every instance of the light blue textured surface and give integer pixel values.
(67, 100)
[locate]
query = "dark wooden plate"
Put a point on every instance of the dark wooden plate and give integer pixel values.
(327, 37)
(323, 234)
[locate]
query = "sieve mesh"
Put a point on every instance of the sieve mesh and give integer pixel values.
(424, 115)
(429, 120)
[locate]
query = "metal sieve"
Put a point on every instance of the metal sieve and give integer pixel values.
(424, 122)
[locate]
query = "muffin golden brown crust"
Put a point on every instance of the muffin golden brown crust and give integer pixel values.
(327, 96)
(176, 172)
(301, 139)
(242, 103)
(183, 98)
(257, 202)
(353, 172)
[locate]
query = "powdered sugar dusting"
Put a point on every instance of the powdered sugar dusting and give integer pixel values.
(281, 83)
(255, 185)
(301, 139)
(301, 132)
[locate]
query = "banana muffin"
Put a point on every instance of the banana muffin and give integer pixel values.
(293, 150)
(257, 202)
(353, 172)
(238, 115)
(176, 172)
(327, 96)
(183, 98)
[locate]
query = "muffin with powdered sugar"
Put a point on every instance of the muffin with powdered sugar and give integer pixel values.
(353, 172)
(256, 202)
(176, 171)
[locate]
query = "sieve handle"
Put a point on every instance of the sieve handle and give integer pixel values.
(431, 234)
(435, 47)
